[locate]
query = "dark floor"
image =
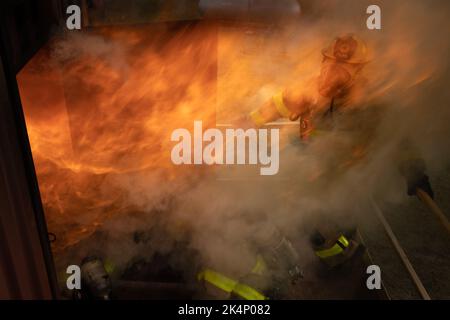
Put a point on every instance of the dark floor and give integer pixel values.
(423, 238)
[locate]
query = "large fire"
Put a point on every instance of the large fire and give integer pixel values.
(105, 109)
(100, 107)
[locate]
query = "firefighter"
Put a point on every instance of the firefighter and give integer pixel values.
(330, 102)
(316, 100)
(276, 267)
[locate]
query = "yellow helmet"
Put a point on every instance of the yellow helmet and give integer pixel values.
(347, 48)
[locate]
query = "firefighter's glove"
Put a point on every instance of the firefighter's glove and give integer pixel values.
(414, 173)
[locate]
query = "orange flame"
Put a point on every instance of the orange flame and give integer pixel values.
(100, 107)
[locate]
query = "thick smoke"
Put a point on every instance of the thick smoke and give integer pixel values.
(222, 212)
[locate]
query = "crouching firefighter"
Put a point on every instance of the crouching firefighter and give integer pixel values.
(276, 267)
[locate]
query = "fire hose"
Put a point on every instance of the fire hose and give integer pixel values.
(431, 204)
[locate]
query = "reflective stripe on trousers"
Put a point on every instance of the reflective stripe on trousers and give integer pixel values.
(341, 244)
(229, 285)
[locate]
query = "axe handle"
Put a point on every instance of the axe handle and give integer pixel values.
(425, 198)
